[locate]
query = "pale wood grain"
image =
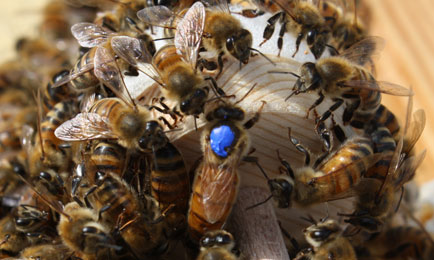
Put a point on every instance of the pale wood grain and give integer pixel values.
(408, 59)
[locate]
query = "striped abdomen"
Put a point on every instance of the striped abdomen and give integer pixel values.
(166, 57)
(51, 96)
(108, 157)
(61, 112)
(170, 180)
(370, 100)
(383, 116)
(86, 79)
(114, 193)
(357, 149)
(111, 108)
(385, 144)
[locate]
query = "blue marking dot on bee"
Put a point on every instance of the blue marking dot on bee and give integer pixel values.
(221, 137)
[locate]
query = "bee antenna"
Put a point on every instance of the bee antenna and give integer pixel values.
(164, 38)
(309, 219)
(245, 95)
(261, 169)
(333, 49)
(260, 203)
(263, 55)
(195, 123)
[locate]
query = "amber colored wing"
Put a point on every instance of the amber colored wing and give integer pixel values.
(219, 188)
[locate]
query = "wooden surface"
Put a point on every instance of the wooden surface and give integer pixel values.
(407, 59)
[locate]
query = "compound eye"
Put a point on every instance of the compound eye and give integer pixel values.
(310, 38)
(221, 139)
(185, 105)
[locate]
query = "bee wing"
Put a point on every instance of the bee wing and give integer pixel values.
(89, 35)
(407, 169)
(158, 15)
(85, 126)
(222, 5)
(380, 86)
(341, 175)
(26, 139)
(364, 51)
(219, 187)
(414, 130)
(130, 50)
(106, 69)
(189, 33)
(76, 73)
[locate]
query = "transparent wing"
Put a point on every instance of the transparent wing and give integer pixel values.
(107, 70)
(219, 188)
(158, 15)
(222, 5)
(130, 50)
(414, 131)
(408, 169)
(85, 126)
(189, 33)
(26, 139)
(364, 51)
(89, 35)
(74, 74)
(380, 86)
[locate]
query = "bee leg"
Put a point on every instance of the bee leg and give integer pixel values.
(349, 111)
(271, 24)
(86, 195)
(209, 65)
(252, 121)
(220, 64)
(164, 120)
(315, 104)
(300, 147)
(286, 166)
(297, 43)
(284, 22)
(325, 136)
(329, 112)
(293, 241)
(216, 88)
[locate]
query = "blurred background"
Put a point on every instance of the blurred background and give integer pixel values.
(408, 57)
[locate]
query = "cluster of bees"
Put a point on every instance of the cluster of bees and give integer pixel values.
(88, 172)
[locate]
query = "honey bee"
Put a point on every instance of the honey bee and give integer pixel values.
(112, 118)
(219, 31)
(40, 56)
(332, 176)
(346, 28)
(47, 152)
(11, 240)
(327, 241)
(343, 79)
(51, 96)
(82, 233)
(46, 252)
(376, 196)
(119, 205)
(107, 156)
(403, 242)
(99, 64)
(217, 244)
(54, 24)
(225, 143)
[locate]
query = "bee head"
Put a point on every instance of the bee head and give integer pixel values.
(193, 103)
(309, 78)
(281, 189)
(224, 112)
(320, 233)
(317, 41)
(153, 137)
(239, 45)
(217, 238)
